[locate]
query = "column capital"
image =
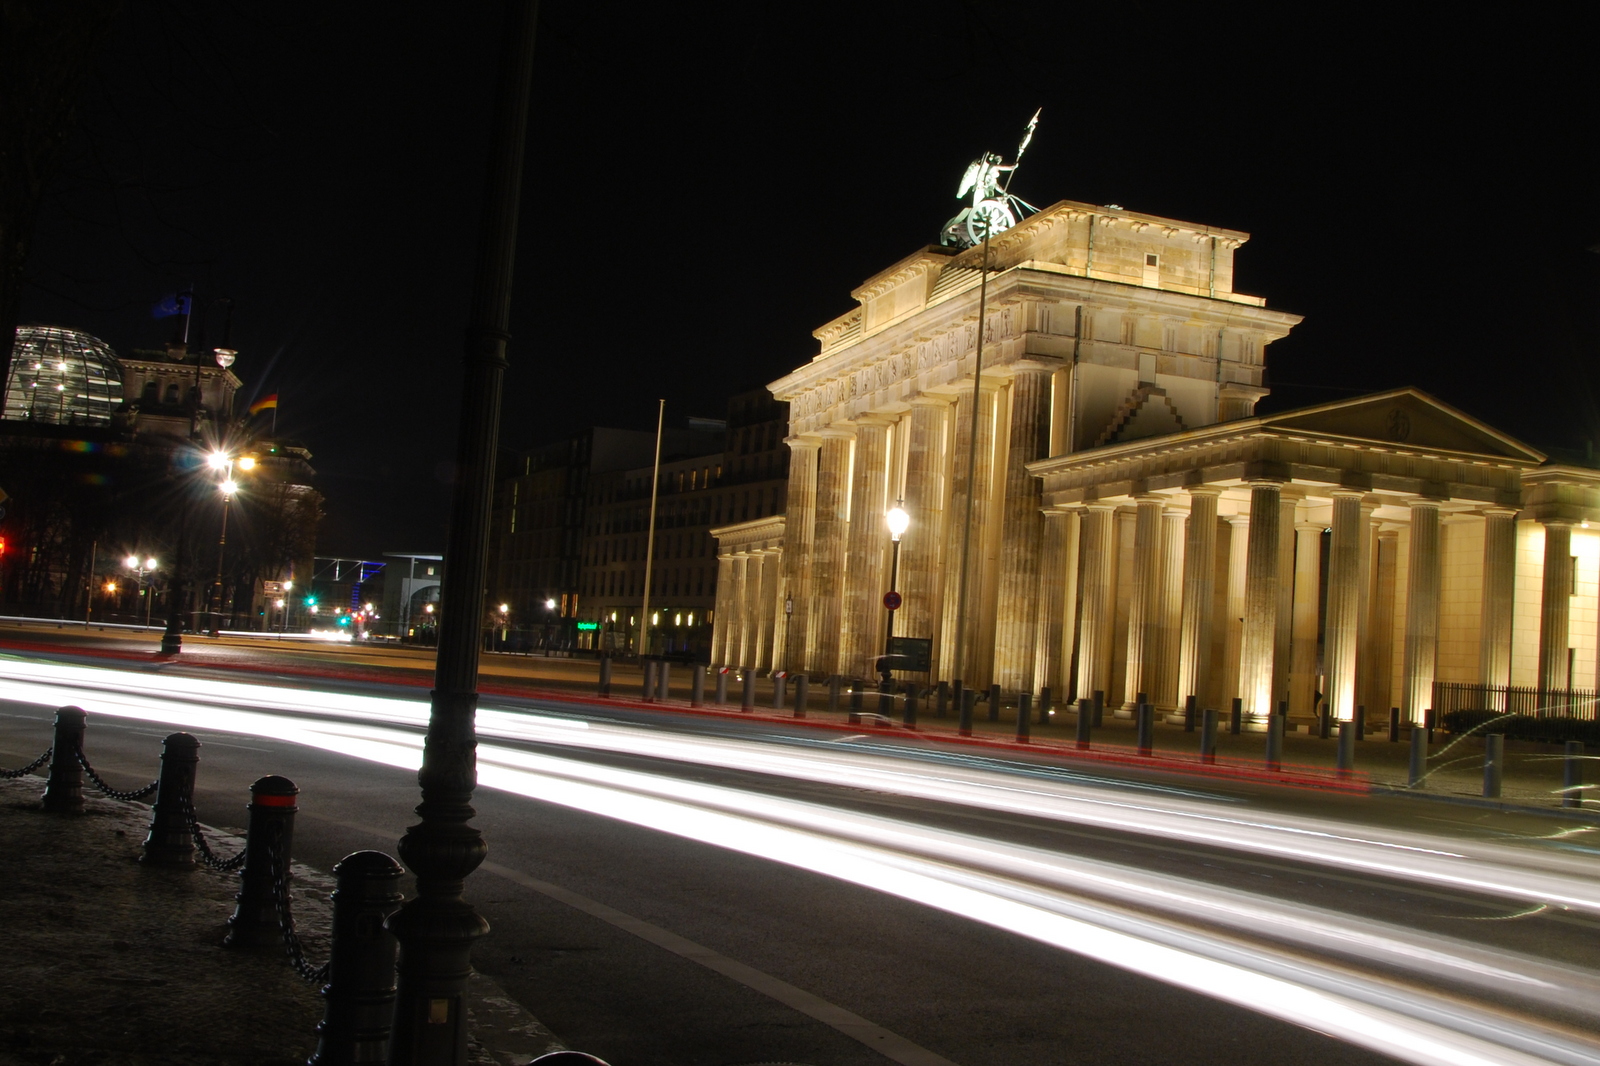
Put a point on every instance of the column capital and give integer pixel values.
(1345, 492)
(1498, 512)
(930, 399)
(1203, 490)
(1310, 527)
(795, 443)
(1558, 523)
(873, 418)
(1418, 503)
(837, 432)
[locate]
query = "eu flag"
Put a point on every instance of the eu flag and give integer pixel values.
(174, 304)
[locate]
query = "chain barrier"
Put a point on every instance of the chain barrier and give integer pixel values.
(31, 767)
(207, 856)
(136, 794)
(291, 941)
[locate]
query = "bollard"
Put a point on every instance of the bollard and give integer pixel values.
(1394, 725)
(964, 723)
(605, 676)
(63, 789)
(1236, 717)
(1419, 757)
(1024, 716)
(942, 699)
(169, 842)
(1494, 764)
(1324, 724)
(747, 701)
(697, 685)
(663, 680)
(1361, 722)
(649, 680)
(910, 717)
(1099, 706)
(1188, 714)
(1208, 735)
(886, 699)
(1347, 748)
(722, 686)
(855, 702)
(1428, 723)
(802, 695)
(1147, 728)
(1572, 775)
(1044, 705)
(994, 703)
(780, 689)
(834, 682)
(1275, 742)
(358, 999)
(1085, 723)
(255, 914)
(1283, 710)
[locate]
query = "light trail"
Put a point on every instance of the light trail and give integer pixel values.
(1184, 932)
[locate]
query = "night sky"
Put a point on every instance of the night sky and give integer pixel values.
(705, 185)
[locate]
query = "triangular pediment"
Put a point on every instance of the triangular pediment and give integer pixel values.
(1406, 418)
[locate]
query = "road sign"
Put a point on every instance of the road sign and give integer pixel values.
(916, 653)
(891, 600)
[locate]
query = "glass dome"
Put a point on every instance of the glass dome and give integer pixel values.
(62, 376)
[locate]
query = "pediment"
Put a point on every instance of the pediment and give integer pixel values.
(1406, 418)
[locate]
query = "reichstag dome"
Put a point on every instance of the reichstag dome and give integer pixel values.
(62, 376)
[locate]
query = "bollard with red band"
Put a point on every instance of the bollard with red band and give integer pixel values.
(271, 829)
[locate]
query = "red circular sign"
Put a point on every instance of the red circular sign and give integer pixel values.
(891, 600)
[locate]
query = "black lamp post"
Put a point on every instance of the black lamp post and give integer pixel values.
(898, 522)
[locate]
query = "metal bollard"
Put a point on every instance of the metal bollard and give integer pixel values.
(1324, 724)
(1236, 717)
(722, 686)
(1024, 716)
(1494, 764)
(359, 996)
(834, 682)
(802, 695)
(663, 680)
(649, 681)
(1188, 714)
(1429, 723)
(1419, 757)
(886, 699)
(1361, 722)
(697, 685)
(1394, 725)
(169, 842)
(909, 720)
(1572, 775)
(1044, 705)
(1275, 741)
(964, 723)
(780, 689)
(855, 703)
(1099, 706)
(605, 676)
(255, 914)
(1085, 723)
(941, 702)
(1347, 748)
(1208, 735)
(994, 703)
(747, 702)
(1147, 728)
(63, 789)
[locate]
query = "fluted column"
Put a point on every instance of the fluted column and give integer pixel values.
(1144, 603)
(1051, 604)
(1385, 581)
(777, 592)
(1169, 613)
(865, 582)
(764, 590)
(1499, 593)
(1341, 628)
(924, 502)
(1422, 611)
(1262, 577)
(1233, 644)
(1282, 662)
(719, 624)
(828, 551)
(1366, 583)
(1098, 616)
(1307, 589)
(1066, 641)
(1555, 606)
(799, 543)
(1199, 589)
(1021, 531)
(736, 611)
(974, 670)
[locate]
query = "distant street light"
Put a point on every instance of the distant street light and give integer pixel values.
(898, 522)
(141, 567)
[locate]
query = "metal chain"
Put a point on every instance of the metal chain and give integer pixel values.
(31, 767)
(291, 941)
(136, 794)
(207, 856)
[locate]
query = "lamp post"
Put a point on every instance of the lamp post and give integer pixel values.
(141, 567)
(223, 463)
(898, 522)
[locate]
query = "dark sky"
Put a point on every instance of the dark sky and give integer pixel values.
(706, 184)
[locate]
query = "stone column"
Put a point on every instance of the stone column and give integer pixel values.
(1067, 639)
(1233, 647)
(1169, 614)
(920, 547)
(827, 564)
(1144, 616)
(1368, 554)
(1499, 594)
(765, 566)
(736, 611)
(1047, 626)
(1283, 639)
(1021, 531)
(1307, 589)
(1099, 562)
(1199, 581)
(865, 581)
(799, 542)
(1341, 626)
(1555, 606)
(1386, 576)
(1422, 611)
(1262, 576)
(719, 625)
(974, 669)
(777, 589)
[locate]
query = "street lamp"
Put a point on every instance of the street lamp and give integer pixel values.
(898, 522)
(142, 567)
(223, 463)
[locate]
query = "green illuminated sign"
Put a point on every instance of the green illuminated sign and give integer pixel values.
(588, 627)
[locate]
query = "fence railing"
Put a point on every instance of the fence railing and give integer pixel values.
(1582, 704)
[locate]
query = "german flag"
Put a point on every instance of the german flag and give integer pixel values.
(264, 403)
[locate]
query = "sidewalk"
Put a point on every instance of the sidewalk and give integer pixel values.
(110, 962)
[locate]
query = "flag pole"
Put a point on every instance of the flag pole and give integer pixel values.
(650, 537)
